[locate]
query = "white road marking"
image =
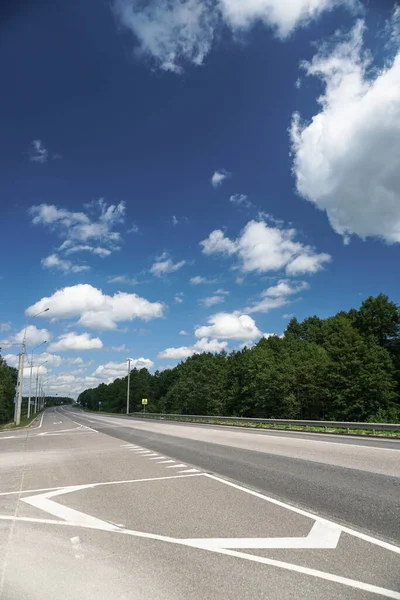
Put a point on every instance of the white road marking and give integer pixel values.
(164, 462)
(77, 546)
(145, 452)
(153, 454)
(190, 471)
(176, 466)
(157, 458)
(305, 513)
(98, 484)
(321, 536)
(84, 520)
(8, 437)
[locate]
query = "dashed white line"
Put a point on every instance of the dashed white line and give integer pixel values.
(77, 546)
(163, 462)
(176, 466)
(189, 471)
(153, 454)
(157, 458)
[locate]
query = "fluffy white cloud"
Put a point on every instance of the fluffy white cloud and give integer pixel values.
(112, 370)
(5, 326)
(74, 341)
(34, 336)
(229, 326)
(183, 332)
(262, 248)
(202, 345)
(175, 32)
(219, 177)
(164, 265)
(81, 230)
(212, 300)
(66, 266)
(346, 159)
(198, 280)
(218, 243)
(277, 295)
(95, 309)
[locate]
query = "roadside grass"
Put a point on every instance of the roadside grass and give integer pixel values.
(25, 422)
(252, 425)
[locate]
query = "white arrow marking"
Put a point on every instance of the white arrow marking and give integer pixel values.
(321, 536)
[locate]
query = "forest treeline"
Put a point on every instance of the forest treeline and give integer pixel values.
(345, 367)
(8, 382)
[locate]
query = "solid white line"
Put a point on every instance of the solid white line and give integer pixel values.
(358, 585)
(93, 485)
(305, 513)
(8, 437)
(164, 462)
(176, 466)
(189, 471)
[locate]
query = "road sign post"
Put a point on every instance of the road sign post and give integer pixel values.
(144, 403)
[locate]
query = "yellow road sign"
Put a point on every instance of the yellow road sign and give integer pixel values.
(144, 401)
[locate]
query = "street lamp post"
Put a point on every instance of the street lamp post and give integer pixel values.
(127, 389)
(30, 378)
(21, 370)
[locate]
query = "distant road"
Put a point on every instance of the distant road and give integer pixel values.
(97, 506)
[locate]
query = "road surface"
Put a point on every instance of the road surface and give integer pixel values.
(97, 506)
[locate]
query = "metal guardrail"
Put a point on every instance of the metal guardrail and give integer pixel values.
(321, 424)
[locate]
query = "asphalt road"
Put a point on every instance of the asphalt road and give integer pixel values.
(105, 507)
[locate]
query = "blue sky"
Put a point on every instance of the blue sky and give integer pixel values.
(180, 176)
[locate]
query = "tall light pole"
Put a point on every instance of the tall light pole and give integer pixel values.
(127, 389)
(21, 369)
(17, 388)
(30, 378)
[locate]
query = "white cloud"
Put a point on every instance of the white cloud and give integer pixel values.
(34, 336)
(73, 361)
(218, 243)
(5, 326)
(95, 309)
(240, 200)
(183, 332)
(86, 248)
(221, 291)
(219, 177)
(277, 295)
(162, 267)
(176, 32)
(288, 316)
(81, 230)
(74, 341)
(121, 348)
(66, 266)
(234, 326)
(198, 280)
(212, 300)
(202, 345)
(124, 279)
(262, 248)
(174, 220)
(179, 298)
(346, 159)
(113, 370)
(39, 153)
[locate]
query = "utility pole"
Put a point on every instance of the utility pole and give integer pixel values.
(36, 396)
(17, 388)
(127, 389)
